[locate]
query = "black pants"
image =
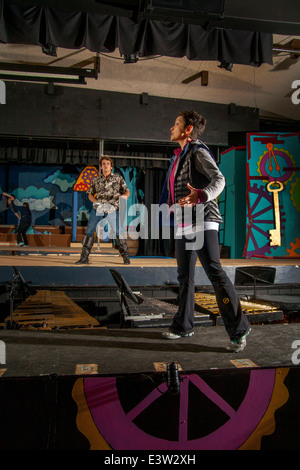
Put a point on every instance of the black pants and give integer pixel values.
(21, 231)
(235, 321)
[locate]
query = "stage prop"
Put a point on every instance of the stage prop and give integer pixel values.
(17, 288)
(138, 310)
(83, 183)
(232, 201)
(49, 310)
(48, 190)
(255, 310)
(269, 222)
(37, 239)
(241, 408)
(142, 416)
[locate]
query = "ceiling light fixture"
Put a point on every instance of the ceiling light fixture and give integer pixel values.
(130, 58)
(42, 79)
(49, 49)
(45, 74)
(226, 65)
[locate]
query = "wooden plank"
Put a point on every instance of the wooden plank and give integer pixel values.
(35, 311)
(52, 309)
(27, 318)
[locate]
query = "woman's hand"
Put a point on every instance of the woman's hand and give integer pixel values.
(191, 199)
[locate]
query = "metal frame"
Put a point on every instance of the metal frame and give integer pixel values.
(52, 73)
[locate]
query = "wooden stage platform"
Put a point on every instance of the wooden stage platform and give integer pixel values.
(61, 267)
(106, 255)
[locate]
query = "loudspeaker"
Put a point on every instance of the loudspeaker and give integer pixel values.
(250, 275)
(144, 98)
(204, 78)
(232, 109)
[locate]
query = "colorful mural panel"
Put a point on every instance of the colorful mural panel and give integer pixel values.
(235, 408)
(47, 189)
(273, 201)
(134, 414)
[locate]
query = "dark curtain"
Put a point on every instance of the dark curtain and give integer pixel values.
(153, 184)
(63, 156)
(102, 33)
(47, 156)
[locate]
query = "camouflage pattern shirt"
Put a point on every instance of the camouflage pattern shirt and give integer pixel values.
(107, 191)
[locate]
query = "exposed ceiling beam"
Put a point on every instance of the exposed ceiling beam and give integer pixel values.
(269, 16)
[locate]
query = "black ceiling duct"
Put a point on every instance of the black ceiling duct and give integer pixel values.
(189, 7)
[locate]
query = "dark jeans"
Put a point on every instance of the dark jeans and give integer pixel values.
(235, 321)
(21, 231)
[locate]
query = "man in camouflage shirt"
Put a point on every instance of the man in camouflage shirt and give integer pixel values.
(104, 193)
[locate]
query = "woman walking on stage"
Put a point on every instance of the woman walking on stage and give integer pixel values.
(194, 178)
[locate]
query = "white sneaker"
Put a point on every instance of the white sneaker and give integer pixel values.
(171, 335)
(239, 344)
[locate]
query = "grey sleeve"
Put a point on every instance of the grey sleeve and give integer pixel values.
(207, 166)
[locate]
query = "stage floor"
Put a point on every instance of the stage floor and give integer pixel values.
(113, 350)
(123, 351)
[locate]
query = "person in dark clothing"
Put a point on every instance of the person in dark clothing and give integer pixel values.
(194, 178)
(24, 224)
(6, 203)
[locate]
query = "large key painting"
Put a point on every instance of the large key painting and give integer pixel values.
(273, 195)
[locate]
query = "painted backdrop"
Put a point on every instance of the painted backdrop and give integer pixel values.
(261, 201)
(50, 192)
